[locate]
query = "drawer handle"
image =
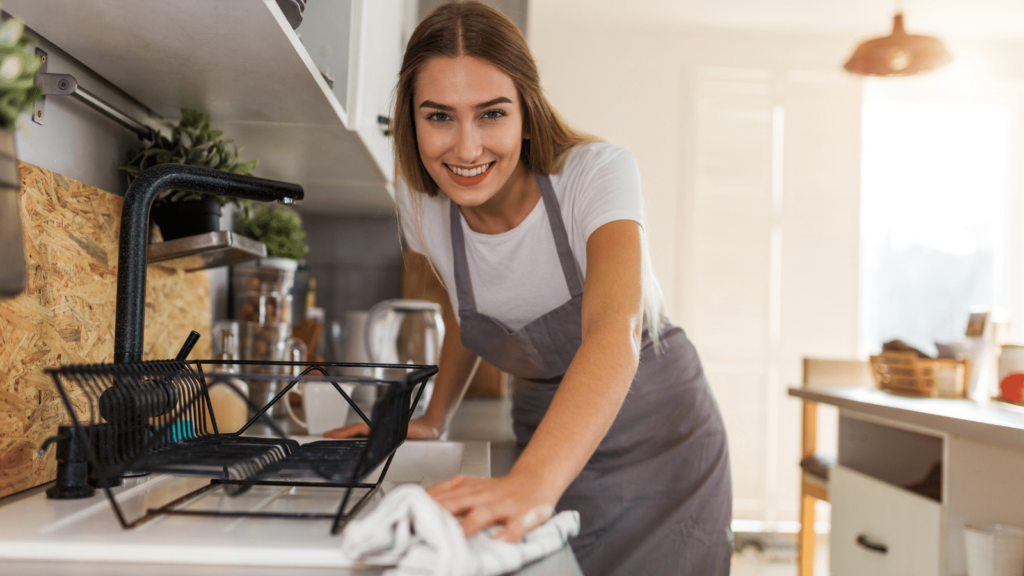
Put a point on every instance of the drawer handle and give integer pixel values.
(864, 541)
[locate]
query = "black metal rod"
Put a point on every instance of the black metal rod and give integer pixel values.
(294, 483)
(342, 518)
(151, 512)
(243, 514)
(189, 344)
(134, 242)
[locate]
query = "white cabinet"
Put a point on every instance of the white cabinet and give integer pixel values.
(359, 44)
(241, 62)
(381, 51)
(961, 460)
(880, 530)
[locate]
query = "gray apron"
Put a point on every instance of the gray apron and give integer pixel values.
(656, 497)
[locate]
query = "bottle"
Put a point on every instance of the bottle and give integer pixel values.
(228, 394)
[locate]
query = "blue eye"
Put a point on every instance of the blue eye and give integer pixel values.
(438, 117)
(494, 114)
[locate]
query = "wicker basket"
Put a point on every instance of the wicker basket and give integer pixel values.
(907, 373)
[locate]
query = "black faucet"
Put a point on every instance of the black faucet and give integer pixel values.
(129, 320)
(127, 405)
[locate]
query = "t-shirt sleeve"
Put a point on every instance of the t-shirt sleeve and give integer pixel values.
(607, 188)
(406, 217)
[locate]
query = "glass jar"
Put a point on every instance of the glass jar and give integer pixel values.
(262, 290)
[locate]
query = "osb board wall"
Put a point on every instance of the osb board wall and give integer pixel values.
(66, 315)
(420, 283)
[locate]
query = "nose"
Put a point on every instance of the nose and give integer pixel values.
(470, 145)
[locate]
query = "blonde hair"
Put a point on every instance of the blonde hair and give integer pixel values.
(475, 29)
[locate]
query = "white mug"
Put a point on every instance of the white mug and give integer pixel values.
(325, 408)
(353, 336)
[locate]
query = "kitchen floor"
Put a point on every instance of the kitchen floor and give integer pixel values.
(774, 555)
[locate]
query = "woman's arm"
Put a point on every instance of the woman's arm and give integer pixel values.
(455, 371)
(585, 405)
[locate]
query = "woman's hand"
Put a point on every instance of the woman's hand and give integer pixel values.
(419, 429)
(515, 503)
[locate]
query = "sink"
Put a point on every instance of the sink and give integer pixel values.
(427, 462)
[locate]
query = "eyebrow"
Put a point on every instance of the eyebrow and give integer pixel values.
(446, 108)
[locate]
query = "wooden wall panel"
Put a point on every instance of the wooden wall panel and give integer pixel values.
(66, 314)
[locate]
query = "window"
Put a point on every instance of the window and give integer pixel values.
(934, 190)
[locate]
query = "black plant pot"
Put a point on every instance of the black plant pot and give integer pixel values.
(187, 218)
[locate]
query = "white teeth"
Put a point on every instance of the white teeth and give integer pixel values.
(471, 172)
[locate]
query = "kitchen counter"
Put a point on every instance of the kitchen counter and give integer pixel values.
(994, 422)
(912, 472)
(477, 420)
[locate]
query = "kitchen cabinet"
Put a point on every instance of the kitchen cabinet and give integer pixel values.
(912, 472)
(241, 62)
(881, 529)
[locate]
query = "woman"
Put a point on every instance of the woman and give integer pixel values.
(535, 230)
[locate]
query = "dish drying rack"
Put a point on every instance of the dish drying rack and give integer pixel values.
(156, 417)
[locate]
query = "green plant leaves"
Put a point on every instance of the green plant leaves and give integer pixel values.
(192, 142)
(279, 229)
(18, 67)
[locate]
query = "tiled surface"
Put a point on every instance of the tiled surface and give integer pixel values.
(357, 261)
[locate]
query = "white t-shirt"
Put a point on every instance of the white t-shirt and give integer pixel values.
(516, 276)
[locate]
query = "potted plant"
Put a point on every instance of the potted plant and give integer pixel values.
(263, 290)
(280, 229)
(18, 92)
(181, 213)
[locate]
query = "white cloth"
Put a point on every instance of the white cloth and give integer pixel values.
(516, 275)
(410, 531)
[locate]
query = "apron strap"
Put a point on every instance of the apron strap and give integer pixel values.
(565, 257)
(462, 286)
(572, 274)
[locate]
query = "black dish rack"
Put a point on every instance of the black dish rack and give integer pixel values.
(156, 417)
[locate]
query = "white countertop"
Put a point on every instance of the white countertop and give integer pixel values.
(21, 513)
(993, 421)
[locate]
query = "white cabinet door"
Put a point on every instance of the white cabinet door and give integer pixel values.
(879, 529)
(327, 34)
(378, 57)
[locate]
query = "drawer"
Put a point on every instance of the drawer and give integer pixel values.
(880, 529)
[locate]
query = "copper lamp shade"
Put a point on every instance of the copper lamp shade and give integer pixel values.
(898, 54)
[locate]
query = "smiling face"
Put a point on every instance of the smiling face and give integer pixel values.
(469, 130)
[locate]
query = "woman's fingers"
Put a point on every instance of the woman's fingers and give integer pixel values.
(350, 431)
(417, 431)
(477, 519)
(513, 531)
(517, 528)
(461, 493)
(483, 502)
(446, 485)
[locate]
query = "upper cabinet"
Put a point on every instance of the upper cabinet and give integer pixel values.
(263, 83)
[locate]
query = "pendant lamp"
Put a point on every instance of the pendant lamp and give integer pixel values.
(898, 54)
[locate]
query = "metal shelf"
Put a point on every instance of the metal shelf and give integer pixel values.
(202, 251)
